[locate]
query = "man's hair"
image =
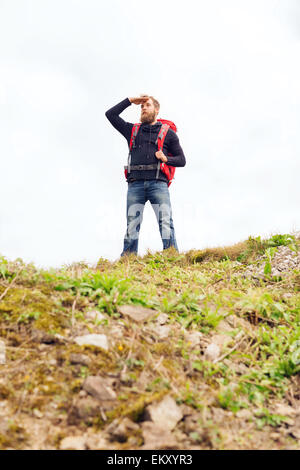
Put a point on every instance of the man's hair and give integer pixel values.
(154, 101)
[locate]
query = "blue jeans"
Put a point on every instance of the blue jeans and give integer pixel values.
(157, 192)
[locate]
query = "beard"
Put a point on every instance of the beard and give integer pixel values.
(148, 117)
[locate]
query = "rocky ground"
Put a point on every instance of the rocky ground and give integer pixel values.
(159, 352)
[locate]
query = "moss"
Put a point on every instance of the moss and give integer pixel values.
(163, 349)
(135, 407)
(5, 392)
(14, 436)
(76, 385)
(19, 303)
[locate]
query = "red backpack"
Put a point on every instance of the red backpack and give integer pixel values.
(168, 170)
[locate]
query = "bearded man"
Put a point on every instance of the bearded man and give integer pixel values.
(144, 180)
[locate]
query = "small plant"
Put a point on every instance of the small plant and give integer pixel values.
(228, 401)
(265, 418)
(270, 254)
(27, 316)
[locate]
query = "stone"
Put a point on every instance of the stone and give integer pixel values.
(39, 336)
(219, 415)
(244, 414)
(193, 338)
(239, 367)
(82, 359)
(156, 437)
(224, 326)
(73, 443)
(296, 433)
(2, 352)
(37, 413)
(192, 423)
(136, 312)
(287, 295)
(221, 340)
(116, 331)
(162, 331)
(92, 340)
(162, 319)
(121, 431)
(99, 388)
(94, 315)
(165, 414)
(83, 409)
(238, 322)
(52, 362)
(97, 443)
(212, 352)
(286, 410)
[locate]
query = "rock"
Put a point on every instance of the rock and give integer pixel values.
(165, 414)
(136, 312)
(39, 336)
(239, 368)
(192, 423)
(283, 261)
(219, 415)
(275, 435)
(156, 437)
(287, 295)
(224, 326)
(193, 338)
(82, 359)
(162, 331)
(99, 388)
(73, 443)
(121, 431)
(94, 315)
(244, 414)
(83, 409)
(97, 443)
(2, 352)
(116, 331)
(162, 319)
(52, 362)
(221, 340)
(238, 322)
(37, 413)
(286, 410)
(295, 432)
(212, 352)
(62, 339)
(92, 340)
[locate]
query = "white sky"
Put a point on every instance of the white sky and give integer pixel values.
(226, 72)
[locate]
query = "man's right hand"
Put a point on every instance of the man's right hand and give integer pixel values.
(140, 100)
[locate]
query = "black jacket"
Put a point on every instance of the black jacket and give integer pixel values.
(145, 147)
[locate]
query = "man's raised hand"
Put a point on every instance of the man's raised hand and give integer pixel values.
(139, 100)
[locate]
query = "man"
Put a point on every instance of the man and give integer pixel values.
(147, 184)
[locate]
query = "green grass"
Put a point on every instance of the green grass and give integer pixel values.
(198, 290)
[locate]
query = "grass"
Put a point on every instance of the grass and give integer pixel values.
(200, 290)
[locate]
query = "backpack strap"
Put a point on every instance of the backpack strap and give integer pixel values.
(134, 132)
(160, 142)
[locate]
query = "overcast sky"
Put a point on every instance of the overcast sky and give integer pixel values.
(226, 72)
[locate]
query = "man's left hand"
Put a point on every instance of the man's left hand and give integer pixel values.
(161, 156)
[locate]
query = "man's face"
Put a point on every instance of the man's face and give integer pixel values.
(148, 112)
